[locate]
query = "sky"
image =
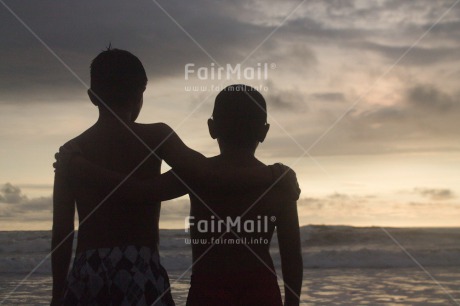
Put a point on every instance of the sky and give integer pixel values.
(362, 96)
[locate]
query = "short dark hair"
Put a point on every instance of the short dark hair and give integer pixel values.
(117, 76)
(238, 111)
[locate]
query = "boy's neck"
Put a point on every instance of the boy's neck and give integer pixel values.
(108, 117)
(237, 153)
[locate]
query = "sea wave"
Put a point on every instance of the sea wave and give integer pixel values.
(322, 247)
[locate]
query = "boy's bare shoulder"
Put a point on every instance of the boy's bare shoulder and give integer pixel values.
(153, 131)
(157, 127)
(78, 140)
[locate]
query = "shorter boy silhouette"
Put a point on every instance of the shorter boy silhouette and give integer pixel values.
(231, 234)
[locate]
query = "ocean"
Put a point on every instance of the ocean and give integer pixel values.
(342, 266)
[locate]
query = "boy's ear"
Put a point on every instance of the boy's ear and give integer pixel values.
(92, 97)
(262, 133)
(212, 128)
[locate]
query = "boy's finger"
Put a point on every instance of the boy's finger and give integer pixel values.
(64, 149)
(71, 147)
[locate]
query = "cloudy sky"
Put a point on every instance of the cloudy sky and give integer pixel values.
(363, 96)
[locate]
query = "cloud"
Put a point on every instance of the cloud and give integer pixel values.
(176, 210)
(425, 110)
(419, 56)
(30, 71)
(290, 100)
(435, 194)
(11, 194)
(328, 96)
(15, 206)
(376, 210)
(430, 98)
(422, 119)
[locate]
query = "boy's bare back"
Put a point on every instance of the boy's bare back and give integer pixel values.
(259, 210)
(110, 221)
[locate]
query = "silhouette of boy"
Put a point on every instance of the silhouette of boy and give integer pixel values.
(231, 234)
(117, 259)
(117, 248)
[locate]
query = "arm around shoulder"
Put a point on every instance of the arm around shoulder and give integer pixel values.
(195, 170)
(176, 153)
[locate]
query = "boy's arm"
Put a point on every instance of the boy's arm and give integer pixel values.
(160, 188)
(62, 235)
(194, 169)
(287, 228)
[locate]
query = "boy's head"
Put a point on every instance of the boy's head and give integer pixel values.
(239, 117)
(118, 78)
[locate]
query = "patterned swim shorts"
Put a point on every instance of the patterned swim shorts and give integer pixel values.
(128, 275)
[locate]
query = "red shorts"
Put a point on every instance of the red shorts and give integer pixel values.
(230, 289)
